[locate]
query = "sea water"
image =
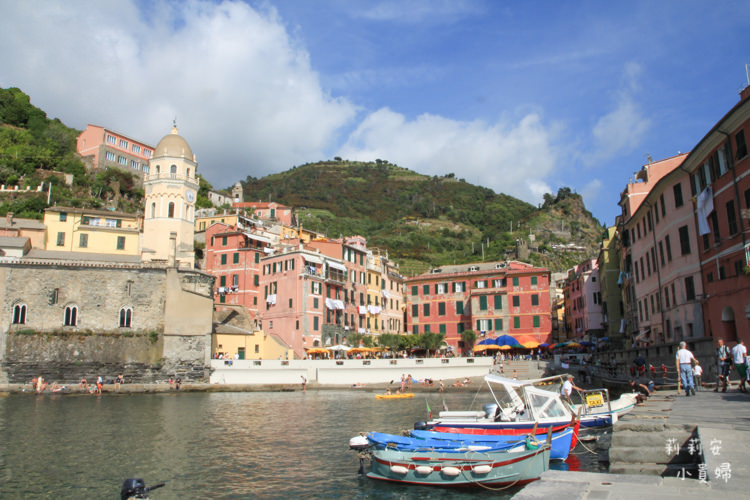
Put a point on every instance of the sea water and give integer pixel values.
(213, 445)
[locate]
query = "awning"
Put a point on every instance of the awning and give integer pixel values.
(312, 258)
(258, 237)
(336, 265)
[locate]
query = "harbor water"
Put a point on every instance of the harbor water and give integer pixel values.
(212, 445)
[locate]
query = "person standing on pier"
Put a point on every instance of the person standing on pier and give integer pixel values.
(686, 359)
(739, 353)
(723, 360)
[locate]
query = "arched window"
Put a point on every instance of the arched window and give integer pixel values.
(187, 173)
(173, 171)
(71, 316)
(19, 314)
(171, 210)
(153, 209)
(126, 317)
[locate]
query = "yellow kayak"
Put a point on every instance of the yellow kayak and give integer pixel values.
(395, 396)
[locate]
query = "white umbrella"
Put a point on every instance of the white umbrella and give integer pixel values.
(339, 347)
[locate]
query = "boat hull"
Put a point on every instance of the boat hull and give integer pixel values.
(466, 470)
(561, 444)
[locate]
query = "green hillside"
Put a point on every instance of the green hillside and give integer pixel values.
(35, 149)
(425, 221)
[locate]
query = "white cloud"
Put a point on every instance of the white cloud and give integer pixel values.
(513, 158)
(419, 11)
(622, 129)
(244, 94)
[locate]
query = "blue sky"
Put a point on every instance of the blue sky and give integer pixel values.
(520, 97)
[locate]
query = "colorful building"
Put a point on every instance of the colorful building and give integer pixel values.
(718, 171)
(268, 211)
(101, 148)
(584, 302)
(493, 298)
(613, 308)
(92, 231)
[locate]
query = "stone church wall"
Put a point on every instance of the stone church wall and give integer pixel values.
(149, 350)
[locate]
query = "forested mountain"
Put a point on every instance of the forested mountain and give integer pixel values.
(428, 221)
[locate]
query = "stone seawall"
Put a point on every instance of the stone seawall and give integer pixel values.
(70, 357)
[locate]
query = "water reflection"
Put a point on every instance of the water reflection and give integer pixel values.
(220, 445)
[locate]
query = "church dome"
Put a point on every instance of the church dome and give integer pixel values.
(173, 145)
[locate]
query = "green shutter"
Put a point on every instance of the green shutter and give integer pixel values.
(535, 300)
(483, 303)
(515, 281)
(498, 324)
(460, 328)
(516, 322)
(459, 307)
(442, 329)
(223, 258)
(257, 257)
(498, 301)
(536, 321)
(533, 280)
(441, 309)
(223, 281)
(426, 289)
(415, 290)
(414, 311)
(415, 329)
(236, 258)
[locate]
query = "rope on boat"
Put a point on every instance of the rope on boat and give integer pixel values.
(501, 488)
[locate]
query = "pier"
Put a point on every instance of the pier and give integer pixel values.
(661, 447)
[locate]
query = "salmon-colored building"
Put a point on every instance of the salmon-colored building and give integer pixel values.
(492, 298)
(101, 147)
(233, 256)
(270, 211)
(719, 178)
(584, 301)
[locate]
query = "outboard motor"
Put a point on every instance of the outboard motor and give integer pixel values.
(490, 410)
(421, 426)
(136, 488)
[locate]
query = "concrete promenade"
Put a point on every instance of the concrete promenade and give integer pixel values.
(722, 422)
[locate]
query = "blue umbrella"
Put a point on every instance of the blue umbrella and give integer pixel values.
(506, 340)
(586, 343)
(545, 344)
(486, 341)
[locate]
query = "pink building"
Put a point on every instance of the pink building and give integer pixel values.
(583, 301)
(100, 147)
(270, 211)
(634, 230)
(662, 264)
(233, 257)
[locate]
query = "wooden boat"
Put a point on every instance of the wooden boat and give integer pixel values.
(403, 395)
(561, 442)
(472, 468)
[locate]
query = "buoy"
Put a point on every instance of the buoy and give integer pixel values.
(482, 469)
(424, 469)
(399, 469)
(451, 471)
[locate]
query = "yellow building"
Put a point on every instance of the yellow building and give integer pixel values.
(203, 223)
(91, 231)
(237, 336)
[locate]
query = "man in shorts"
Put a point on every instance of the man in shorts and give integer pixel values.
(739, 353)
(723, 358)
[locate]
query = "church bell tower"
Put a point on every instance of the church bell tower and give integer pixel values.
(171, 187)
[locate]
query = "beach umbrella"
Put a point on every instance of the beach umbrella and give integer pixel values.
(531, 344)
(506, 340)
(544, 344)
(574, 345)
(316, 350)
(487, 341)
(505, 347)
(586, 343)
(488, 347)
(339, 347)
